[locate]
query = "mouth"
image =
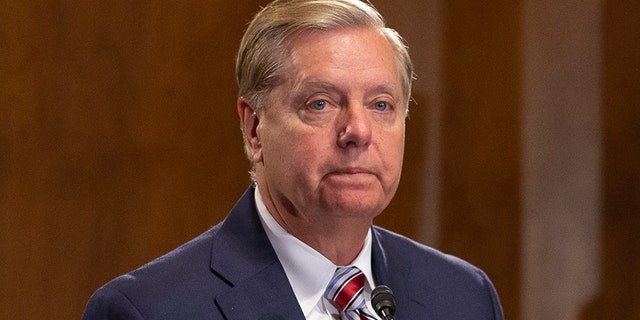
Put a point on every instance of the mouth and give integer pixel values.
(351, 170)
(351, 173)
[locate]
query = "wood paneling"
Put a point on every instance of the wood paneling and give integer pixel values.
(480, 147)
(620, 297)
(620, 285)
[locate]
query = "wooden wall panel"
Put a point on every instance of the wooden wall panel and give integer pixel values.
(621, 114)
(561, 157)
(480, 147)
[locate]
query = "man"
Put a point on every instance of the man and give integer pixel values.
(324, 88)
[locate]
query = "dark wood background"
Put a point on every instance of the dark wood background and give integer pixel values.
(119, 141)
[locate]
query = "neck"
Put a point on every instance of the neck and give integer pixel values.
(339, 238)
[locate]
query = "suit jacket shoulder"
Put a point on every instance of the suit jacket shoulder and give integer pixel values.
(428, 283)
(155, 285)
(229, 272)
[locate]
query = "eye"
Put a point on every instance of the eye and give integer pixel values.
(318, 104)
(381, 106)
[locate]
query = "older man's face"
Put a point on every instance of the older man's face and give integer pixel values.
(332, 135)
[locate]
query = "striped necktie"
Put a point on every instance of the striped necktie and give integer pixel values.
(345, 291)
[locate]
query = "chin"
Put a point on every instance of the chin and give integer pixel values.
(356, 208)
(350, 200)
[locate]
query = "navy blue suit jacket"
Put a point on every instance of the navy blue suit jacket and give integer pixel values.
(232, 272)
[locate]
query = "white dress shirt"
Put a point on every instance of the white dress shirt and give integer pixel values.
(308, 271)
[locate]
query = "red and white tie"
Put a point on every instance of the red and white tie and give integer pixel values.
(345, 291)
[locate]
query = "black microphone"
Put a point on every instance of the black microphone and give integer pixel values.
(383, 302)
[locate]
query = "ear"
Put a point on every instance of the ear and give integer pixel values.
(249, 121)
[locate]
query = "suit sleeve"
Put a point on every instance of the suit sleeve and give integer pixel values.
(495, 301)
(110, 304)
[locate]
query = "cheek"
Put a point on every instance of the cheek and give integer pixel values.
(306, 151)
(294, 150)
(392, 153)
(392, 145)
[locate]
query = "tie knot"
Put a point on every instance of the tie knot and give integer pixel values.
(345, 288)
(345, 291)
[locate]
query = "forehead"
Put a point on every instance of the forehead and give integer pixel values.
(347, 54)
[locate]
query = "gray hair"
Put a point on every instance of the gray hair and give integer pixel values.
(264, 47)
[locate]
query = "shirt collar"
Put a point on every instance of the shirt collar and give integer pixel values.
(308, 271)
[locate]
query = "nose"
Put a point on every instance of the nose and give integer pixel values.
(354, 127)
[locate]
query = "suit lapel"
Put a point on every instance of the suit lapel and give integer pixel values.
(242, 255)
(265, 295)
(395, 271)
(379, 259)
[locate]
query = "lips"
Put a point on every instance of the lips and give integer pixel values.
(351, 172)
